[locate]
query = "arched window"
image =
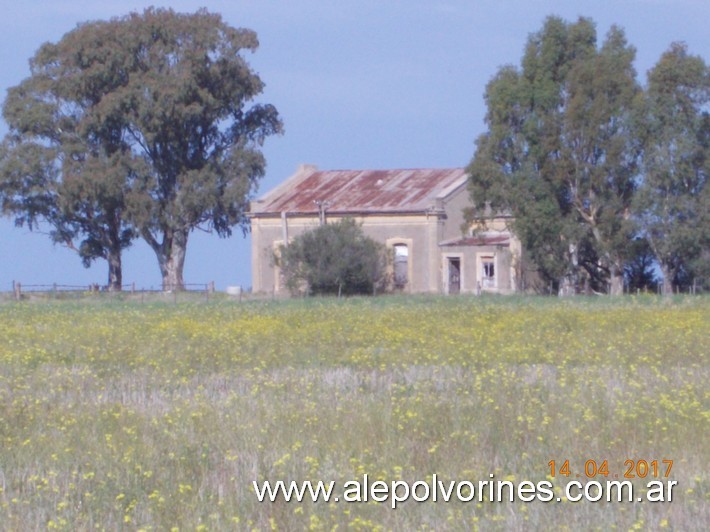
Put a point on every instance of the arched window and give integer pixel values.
(401, 265)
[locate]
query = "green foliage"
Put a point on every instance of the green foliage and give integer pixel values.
(673, 202)
(640, 271)
(586, 161)
(53, 170)
(559, 153)
(335, 258)
(140, 125)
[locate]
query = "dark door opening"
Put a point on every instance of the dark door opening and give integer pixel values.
(454, 275)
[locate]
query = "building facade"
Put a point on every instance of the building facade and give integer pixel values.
(416, 213)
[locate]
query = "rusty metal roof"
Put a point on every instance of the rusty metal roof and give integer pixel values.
(361, 191)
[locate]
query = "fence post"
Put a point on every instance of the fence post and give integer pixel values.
(133, 287)
(211, 287)
(17, 288)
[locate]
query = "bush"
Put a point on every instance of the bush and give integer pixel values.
(336, 258)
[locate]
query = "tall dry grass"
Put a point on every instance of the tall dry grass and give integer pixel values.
(154, 416)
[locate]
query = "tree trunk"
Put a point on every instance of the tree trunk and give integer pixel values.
(568, 285)
(668, 275)
(616, 280)
(570, 281)
(172, 261)
(115, 272)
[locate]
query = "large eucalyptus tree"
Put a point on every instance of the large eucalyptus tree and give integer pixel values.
(560, 154)
(142, 125)
(673, 203)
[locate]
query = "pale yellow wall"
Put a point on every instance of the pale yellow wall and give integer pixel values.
(454, 206)
(418, 231)
(422, 233)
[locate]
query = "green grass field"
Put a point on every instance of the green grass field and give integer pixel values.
(125, 416)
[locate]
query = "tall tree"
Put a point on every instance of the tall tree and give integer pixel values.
(65, 165)
(187, 101)
(167, 116)
(673, 204)
(559, 153)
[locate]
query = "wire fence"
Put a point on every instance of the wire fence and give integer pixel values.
(196, 291)
(22, 291)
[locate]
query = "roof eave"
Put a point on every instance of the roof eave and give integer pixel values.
(379, 212)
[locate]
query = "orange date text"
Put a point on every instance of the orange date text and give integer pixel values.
(594, 468)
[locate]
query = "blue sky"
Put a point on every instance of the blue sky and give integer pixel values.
(358, 84)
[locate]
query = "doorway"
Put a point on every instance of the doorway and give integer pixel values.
(454, 275)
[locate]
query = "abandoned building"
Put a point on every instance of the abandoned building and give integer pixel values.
(415, 213)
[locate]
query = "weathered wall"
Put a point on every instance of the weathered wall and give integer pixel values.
(471, 275)
(419, 232)
(454, 206)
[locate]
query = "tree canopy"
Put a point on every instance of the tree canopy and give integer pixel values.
(673, 202)
(143, 125)
(560, 153)
(335, 258)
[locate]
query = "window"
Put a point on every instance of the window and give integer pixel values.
(401, 265)
(488, 271)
